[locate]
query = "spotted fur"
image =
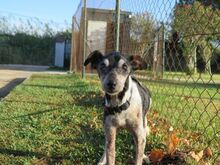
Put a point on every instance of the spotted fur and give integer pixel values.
(115, 73)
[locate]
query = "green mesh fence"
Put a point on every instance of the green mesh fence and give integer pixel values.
(180, 42)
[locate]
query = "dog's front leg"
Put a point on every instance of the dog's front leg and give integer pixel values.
(140, 141)
(110, 135)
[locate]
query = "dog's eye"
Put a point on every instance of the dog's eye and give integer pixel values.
(125, 67)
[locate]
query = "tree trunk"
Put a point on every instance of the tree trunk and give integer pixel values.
(191, 67)
(208, 55)
(189, 52)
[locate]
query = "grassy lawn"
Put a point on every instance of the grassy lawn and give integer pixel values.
(51, 119)
(192, 110)
(182, 77)
(58, 119)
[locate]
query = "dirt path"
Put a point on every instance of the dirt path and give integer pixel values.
(12, 75)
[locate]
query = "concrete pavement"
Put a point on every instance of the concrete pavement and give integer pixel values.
(12, 75)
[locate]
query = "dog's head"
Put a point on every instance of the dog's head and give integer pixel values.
(113, 69)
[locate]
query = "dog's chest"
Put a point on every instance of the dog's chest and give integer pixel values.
(128, 118)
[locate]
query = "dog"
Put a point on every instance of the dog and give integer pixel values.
(126, 102)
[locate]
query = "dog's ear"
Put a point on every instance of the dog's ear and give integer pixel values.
(137, 63)
(94, 58)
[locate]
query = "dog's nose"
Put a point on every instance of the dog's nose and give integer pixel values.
(111, 84)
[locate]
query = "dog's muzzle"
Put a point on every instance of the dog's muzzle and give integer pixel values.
(111, 85)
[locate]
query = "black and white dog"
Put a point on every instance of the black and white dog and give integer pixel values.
(126, 102)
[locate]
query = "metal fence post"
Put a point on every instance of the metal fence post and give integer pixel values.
(71, 69)
(163, 47)
(84, 40)
(117, 30)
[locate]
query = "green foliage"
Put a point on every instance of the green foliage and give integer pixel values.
(214, 3)
(196, 19)
(23, 48)
(142, 29)
(198, 25)
(217, 51)
(29, 42)
(67, 34)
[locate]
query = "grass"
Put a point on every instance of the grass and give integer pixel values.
(182, 77)
(57, 119)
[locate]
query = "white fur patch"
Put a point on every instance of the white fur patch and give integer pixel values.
(106, 62)
(121, 62)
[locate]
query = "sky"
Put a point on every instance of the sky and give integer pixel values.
(61, 11)
(47, 10)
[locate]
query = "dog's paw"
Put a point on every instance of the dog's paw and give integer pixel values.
(146, 159)
(100, 163)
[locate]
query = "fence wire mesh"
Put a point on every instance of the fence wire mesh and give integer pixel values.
(180, 43)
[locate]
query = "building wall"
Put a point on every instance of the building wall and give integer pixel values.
(97, 19)
(96, 35)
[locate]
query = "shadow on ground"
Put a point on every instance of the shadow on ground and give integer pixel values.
(4, 91)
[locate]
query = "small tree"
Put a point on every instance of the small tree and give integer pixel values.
(142, 30)
(198, 25)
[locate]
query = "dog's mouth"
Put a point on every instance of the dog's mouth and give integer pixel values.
(111, 91)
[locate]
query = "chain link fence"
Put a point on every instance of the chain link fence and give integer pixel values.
(180, 42)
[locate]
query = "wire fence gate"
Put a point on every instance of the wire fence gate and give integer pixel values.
(180, 43)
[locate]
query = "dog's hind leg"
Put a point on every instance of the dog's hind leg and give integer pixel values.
(146, 159)
(146, 133)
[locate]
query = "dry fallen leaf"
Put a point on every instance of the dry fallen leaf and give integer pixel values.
(197, 156)
(207, 153)
(185, 141)
(217, 161)
(155, 113)
(202, 162)
(156, 155)
(173, 141)
(195, 136)
(203, 156)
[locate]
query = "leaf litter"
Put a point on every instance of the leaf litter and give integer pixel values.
(172, 155)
